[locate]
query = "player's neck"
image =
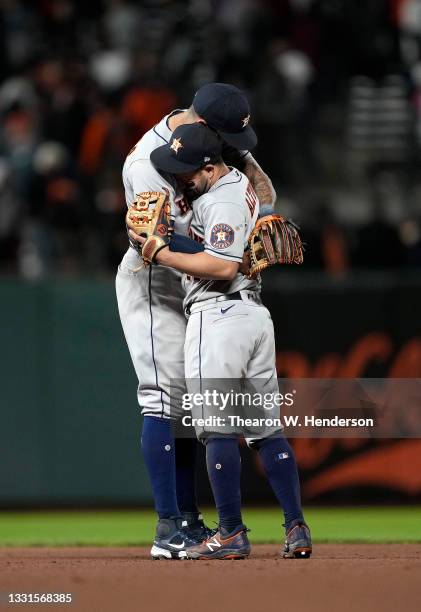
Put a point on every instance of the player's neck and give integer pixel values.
(220, 172)
(180, 119)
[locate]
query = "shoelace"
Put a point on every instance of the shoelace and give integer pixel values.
(201, 533)
(210, 531)
(188, 540)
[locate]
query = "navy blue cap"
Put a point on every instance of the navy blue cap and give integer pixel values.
(191, 147)
(225, 108)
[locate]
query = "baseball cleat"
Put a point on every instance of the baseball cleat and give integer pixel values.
(171, 540)
(298, 542)
(196, 529)
(222, 545)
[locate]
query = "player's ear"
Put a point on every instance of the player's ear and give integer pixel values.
(202, 121)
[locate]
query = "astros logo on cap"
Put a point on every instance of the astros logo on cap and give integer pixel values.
(246, 121)
(176, 144)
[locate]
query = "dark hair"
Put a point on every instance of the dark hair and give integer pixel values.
(215, 161)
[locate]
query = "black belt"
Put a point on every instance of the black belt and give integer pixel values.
(233, 296)
(237, 295)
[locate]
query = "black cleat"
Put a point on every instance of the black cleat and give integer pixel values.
(171, 540)
(298, 542)
(195, 527)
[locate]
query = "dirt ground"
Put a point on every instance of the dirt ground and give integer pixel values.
(337, 578)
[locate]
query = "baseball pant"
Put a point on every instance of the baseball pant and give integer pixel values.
(231, 340)
(150, 307)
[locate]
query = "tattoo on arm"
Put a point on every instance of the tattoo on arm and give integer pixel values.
(260, 181)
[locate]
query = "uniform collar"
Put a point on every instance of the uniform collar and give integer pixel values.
(162, 129)
(234, 176)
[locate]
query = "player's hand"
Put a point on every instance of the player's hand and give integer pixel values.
(160, 257)
(149, 219)
(137, 238)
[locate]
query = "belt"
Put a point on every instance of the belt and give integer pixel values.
(242, 296)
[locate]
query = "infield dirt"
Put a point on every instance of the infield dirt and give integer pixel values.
(349, 577)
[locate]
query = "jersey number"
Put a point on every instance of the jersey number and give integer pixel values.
(251, 199)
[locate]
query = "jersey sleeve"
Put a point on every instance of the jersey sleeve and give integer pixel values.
(144, 177)
(225, 230)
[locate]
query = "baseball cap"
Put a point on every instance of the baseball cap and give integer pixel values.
(225, 108)
(191, 146)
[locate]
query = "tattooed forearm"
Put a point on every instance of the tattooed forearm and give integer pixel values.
(260, 181)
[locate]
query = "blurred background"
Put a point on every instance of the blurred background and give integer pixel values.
(335, 90)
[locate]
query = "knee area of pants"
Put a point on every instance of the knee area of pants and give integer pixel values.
(219, 440)
(279, 444)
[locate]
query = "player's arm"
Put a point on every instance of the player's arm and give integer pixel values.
(224, 225)
(261, 184)
(184, 244)
(199, 265)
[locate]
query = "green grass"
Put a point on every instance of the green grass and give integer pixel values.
(126, 528)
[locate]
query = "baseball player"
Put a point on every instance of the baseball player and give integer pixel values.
(150, 304)
(229, 333)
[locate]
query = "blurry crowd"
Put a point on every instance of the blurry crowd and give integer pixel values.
(335, 88)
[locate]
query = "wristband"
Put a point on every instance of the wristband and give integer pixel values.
(183, 244)
(266, 209)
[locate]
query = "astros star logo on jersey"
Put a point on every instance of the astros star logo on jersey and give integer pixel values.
(176, 144)
(222, 236)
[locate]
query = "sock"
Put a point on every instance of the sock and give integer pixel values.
(281, 469)
(185, 469)
(224, 470)
(159, 453)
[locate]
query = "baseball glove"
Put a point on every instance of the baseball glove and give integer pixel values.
(150, 216)
(274, 240)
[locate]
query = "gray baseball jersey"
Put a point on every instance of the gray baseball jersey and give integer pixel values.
(231, 339)
(223, 219)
